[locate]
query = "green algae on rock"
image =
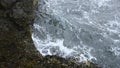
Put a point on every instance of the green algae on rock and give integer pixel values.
(16, 46)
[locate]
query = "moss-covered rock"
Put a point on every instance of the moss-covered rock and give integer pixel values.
(16, 46)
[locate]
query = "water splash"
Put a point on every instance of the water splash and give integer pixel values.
(84, 29)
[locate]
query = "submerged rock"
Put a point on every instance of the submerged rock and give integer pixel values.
(16, 46)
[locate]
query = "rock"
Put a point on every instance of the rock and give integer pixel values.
(16, 46)
(7, 3)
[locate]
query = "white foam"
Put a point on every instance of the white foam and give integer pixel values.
(101, 2)
(85, 52)
(40, 45)
(113, 26)
(44, 46)
(116, 50)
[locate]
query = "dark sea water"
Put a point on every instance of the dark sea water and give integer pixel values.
(81, 29)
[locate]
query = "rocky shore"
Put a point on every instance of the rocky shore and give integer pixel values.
(16, 46)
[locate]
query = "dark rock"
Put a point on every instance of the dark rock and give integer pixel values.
(16, 46)
(7, 3)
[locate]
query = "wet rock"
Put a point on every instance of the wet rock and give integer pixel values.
(7, 3)
(16, 46)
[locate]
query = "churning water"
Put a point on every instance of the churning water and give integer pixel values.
(81, 29)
